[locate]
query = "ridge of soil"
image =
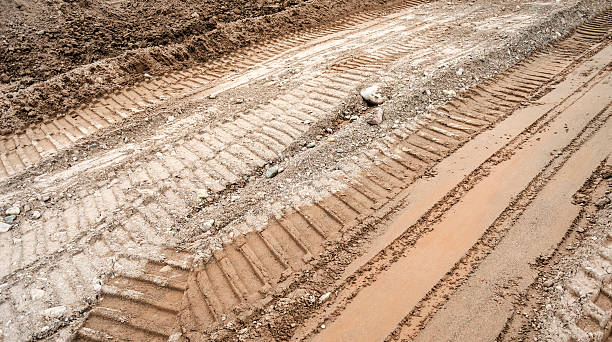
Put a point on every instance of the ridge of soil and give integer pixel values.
(55, 55)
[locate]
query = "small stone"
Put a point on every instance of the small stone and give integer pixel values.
(212, 96)
(13, 210)
(322, 326)
(166, 269)
(548, 283)
(353, 118)
(239, 101)
(602, 202)
(372, 95)
(148, 75)
(4, 227)
(37, 294)
(450, 92)
(272, 172)
(206, 225)
(54, 312)
(339, 150)
(460, 72)
(10, 219)
(331, 139)
(311, 144)
(324, 297)
(170, 118)
(202, 193)
(427, 92)
(281, 169)
(175, 337)
(97, 286)
(46, 198)
(195, 15)
(376, 117)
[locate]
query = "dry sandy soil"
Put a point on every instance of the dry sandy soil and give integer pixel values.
(196, 171)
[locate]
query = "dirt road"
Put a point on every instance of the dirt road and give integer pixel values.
(254, 198)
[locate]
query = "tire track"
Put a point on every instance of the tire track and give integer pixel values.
(19, 151)
(247, 273)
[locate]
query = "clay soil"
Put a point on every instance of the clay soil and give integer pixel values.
(57, 54)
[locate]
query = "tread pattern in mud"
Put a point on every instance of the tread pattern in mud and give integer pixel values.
(39, 141)
(249, 271)
(591, 289)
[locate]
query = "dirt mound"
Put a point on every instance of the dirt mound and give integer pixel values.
(55, 55)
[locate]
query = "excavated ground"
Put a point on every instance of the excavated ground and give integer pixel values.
(146, 212)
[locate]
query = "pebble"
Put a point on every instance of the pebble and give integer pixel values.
(449, 92)
(37, 294)
(324, 297)
(202, 193)
(206, 225)
(4, 227)
(376, 117)
(10, 219)
(165, 269)
(311, 144)
(331, 139)
(272, 172)
(353, 118)
(175, 337)
(97, 286)
(170, 118)
(54, 312)
(339, 150)
(238, 101)
(13, 210)
(212, 96)
(460, 72)
(548, 283)
(195, 15)
(148, 75)
(372, 95)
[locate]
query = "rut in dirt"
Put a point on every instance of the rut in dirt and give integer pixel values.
(250, 272)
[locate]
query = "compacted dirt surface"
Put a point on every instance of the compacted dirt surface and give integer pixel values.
(308, 171)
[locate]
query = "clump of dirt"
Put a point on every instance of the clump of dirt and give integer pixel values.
(55, 55)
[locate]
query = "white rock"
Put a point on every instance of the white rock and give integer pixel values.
(165, 269)
(170, 118)
(37, 294)
(206, 225)
(54, 312)
(14, 210)
(449, 92)
(97, 284)
(202, 193)
(372, 95)
(4, 227)
(324, 297)
(36, 214)
(460, 72)
(175, 337)
(376, 117)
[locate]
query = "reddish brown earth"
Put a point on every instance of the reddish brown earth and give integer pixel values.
(244, 190)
